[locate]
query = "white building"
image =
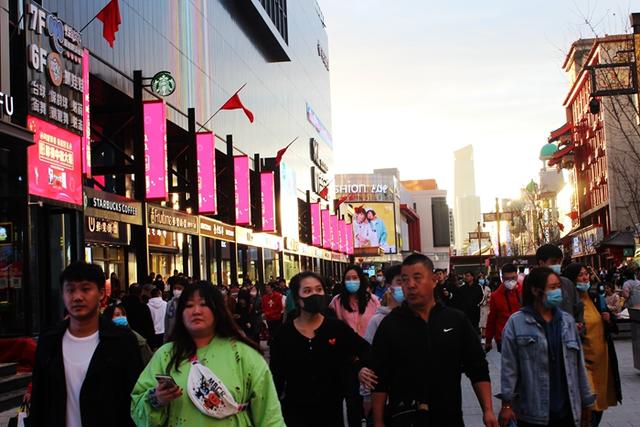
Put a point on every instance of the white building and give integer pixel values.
(466, 208)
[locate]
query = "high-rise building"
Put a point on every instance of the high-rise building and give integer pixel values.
(466, 209)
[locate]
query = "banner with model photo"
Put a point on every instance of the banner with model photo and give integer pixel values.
(374, 225)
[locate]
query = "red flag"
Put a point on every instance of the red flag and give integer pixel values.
(110, 17)
(342, 199)
(234, 103)
(281, 152)
(324, 192)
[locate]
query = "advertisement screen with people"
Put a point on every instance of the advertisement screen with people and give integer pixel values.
(374, 225)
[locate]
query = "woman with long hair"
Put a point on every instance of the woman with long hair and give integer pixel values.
(309, 355)
(597, 341)
(209, 373)
(355, 304)
(543, 378)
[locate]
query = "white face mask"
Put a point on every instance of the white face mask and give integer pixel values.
(510, 284)
(177, 293)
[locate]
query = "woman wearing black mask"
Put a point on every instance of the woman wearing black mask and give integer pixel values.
(309, 353)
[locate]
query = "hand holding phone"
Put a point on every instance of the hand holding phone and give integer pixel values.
(167, 389)
(166, 380)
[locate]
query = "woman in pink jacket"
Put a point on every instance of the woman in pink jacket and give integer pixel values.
(355, 305)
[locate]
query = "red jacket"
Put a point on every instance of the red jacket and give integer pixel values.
(272, 306)
(502, 305)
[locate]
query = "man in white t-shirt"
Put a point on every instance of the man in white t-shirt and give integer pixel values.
(86, 366)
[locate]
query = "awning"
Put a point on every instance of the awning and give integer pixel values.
(556, 134)
(619, 239)
(409, 213)
(15, 133)
(557, 157)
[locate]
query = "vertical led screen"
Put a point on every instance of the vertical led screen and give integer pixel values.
(86, 123)
(288, 202)
(268, 199)
(335, 233)
(374, 226)
(241, 188)
(55, 164)
(206, 159)
(349, 241)
(316, 224)
(342, 227)
(326, 229)
(155, 150)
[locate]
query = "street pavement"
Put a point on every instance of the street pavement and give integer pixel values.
(625, 415)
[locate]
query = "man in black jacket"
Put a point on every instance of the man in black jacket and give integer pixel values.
(419, 353)
(138, 313)
(85, 367)
(467, 298)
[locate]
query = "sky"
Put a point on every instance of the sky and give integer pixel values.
(414, 80)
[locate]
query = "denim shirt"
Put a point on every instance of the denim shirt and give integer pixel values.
(525, 376)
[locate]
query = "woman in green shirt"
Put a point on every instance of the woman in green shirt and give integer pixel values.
(220, 377)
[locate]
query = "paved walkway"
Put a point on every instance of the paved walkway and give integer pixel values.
(625, 415)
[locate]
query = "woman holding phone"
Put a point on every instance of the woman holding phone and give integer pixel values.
(208, 373)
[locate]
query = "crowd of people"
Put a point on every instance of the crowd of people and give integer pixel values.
(386, 350)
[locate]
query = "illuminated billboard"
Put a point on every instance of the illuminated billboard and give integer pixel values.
(155, 150)
(374, 225)
(335, 233)
(86, 123)
(241, 188)
(206, 159)
(268, 199)
(55, 164)
(342, 227)
(316, 224)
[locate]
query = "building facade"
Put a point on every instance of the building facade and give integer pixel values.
(209, 198)
(466, 208)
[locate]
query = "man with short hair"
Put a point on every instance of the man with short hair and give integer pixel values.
(467, 298)
(442, 292)
(138, 313)
(158, 308)
(419, 353)
(504, 301)
(551, 256)
(86, 366)
(381, 284)
(273, 309)
(178, 286)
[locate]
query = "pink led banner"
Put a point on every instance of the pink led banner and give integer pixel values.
(86, 123)
(349, 239)
(241, 186)
(342, 227)
(335, 235)
(268, 199)
(326, 229)
(316, 224)
(207, 203)
(55, 164)
(155, 150)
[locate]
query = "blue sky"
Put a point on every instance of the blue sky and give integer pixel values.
(413, 80)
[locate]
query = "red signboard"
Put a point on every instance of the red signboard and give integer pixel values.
(55, 164)
(155, 150)
(326, 229)
(241, 186)
(268, 199)
(206, 158)
(316, 224)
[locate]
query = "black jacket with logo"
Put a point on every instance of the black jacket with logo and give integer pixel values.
(105, 397)
(423, 361)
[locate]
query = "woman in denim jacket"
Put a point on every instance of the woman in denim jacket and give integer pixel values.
(543, 378)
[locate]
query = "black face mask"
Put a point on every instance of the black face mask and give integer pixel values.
(314, 303)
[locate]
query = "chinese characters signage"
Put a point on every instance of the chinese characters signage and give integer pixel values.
(102, 230)
(54, 72)
(217, 230)
(54, 163)
(206, 173)
(155, 150)
(172, 220)
(326, 229)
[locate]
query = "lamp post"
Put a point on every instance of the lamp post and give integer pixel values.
(496, 217)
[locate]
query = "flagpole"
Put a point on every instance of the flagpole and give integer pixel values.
(219, 109)
(89, 23)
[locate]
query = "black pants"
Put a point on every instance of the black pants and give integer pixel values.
(274, 327)
(327, 415)
(568, 422)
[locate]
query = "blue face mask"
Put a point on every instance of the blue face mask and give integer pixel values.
(557, 268)
(554, 298)
(482, 282)
(352, 286)
(120, 321)
(398, 295)
(583, 287)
